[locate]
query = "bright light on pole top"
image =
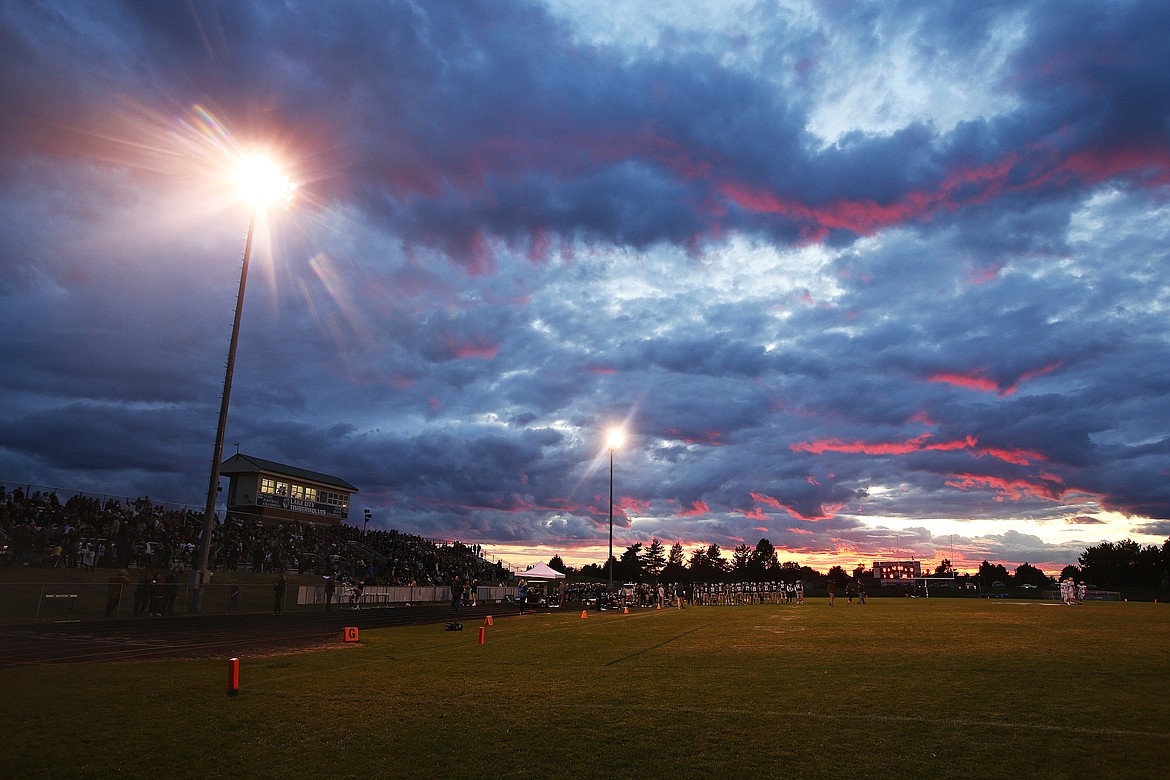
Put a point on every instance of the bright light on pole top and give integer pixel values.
(615, 438)
(261, 182)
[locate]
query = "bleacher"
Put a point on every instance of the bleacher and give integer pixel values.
(37, 529)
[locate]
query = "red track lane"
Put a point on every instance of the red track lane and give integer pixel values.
(198, 636)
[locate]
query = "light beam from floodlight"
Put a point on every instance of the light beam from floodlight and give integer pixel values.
(263, 185)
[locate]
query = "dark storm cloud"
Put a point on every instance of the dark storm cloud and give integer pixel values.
(514, 237)
(474, 120)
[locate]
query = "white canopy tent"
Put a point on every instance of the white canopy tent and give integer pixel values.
(541, 571)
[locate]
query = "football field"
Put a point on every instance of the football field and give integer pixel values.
(906, 687)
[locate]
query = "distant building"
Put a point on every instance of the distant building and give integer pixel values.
(275, 491)
(897, 572)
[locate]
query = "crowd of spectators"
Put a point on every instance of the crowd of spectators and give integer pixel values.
(37, 529)
(410, 560)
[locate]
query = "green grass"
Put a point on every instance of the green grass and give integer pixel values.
(937, 688)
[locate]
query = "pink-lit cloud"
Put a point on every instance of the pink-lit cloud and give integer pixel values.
(921, 443)
(475, 348)
(709, 438)
(917, 444)
(827, 511)
(970, 382)
(978, 380)
(697, 509)
(1014, 489)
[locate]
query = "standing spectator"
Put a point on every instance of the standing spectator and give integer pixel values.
(114, 592)
(330, 587)
(172, 590)
(522, 595)
(157, 592)
(142, 594)
(278, 595)
(456, 596)
(832, 591)
(234, 597)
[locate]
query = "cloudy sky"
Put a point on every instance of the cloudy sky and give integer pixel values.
(865, 279)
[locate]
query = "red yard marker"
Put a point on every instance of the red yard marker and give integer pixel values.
(233, 676)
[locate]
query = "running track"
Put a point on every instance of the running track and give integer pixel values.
(218, 636)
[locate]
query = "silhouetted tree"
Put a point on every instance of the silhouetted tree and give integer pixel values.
(675, 570)
(715, 556)
(1165, 579)
(555, 563)
(838, 576)
(654, 558)
(610, 569)
(1027, 574)
(1123, 564)
(630, 565)
(592, 571)
(763, 564)
(791, 571)
(706, 564)
(740, 558)
(989, 573)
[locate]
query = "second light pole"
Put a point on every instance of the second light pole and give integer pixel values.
(614, 442)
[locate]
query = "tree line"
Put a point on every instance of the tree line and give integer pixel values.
(1124, 564)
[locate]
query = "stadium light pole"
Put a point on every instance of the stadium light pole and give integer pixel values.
(614, 442)
(262, 185)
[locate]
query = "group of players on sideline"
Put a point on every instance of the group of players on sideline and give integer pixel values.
(681, 594)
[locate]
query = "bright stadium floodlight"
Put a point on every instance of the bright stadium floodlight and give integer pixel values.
(613, 442)
(262, 184)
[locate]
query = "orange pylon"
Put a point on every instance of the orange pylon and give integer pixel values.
(659, 606)
(583, 615)
(627, 611)
(489, 621)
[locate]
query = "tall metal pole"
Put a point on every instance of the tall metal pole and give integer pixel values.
(203, 576)
(609, 562)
